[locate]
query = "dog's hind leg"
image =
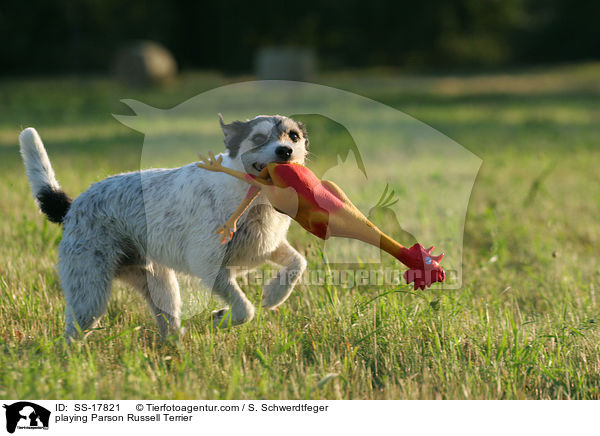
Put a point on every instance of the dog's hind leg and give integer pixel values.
(86, 282)
(240, 308)
(281, 286)
(158, 285)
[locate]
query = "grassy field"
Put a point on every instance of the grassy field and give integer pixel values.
(524, 324)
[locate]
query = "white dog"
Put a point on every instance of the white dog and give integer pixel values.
(143, 226)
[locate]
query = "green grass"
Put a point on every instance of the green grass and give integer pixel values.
(523, 325)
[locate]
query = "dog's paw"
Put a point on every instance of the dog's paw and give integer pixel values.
(276, 293)
(226, 317)
(220, 318)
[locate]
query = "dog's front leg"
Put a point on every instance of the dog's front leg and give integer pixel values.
(240, 309)
(281, 286)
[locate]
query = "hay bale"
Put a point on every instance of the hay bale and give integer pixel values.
(285, 63)
(145, 63)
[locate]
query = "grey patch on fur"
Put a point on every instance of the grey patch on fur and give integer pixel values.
(235, 133)
(278, 135)
(304, 133)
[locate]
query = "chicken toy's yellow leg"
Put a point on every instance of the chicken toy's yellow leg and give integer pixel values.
(213, 164)
(230, 226)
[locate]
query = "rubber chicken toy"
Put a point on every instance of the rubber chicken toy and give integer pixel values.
(324, 210)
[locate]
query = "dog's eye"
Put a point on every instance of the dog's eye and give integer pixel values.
(259, 139)
(294, 136)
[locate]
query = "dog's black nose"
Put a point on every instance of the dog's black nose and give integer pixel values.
(283, 152)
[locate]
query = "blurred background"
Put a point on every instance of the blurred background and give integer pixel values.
(64, 36)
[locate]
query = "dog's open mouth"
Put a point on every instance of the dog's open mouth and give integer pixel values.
(258, 166)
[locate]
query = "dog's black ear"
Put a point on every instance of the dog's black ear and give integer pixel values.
(302, 128)
(234, 134)
(231, 130)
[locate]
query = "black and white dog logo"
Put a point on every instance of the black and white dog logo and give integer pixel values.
(26, 415)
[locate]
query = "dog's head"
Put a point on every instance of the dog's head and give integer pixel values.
(265, 139)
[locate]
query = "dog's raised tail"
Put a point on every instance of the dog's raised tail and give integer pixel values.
(46, 190)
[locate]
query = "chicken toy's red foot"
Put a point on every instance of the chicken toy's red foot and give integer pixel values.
(424, 268)
(324, 210)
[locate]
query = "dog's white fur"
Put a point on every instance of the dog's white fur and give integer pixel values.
(143, 226)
